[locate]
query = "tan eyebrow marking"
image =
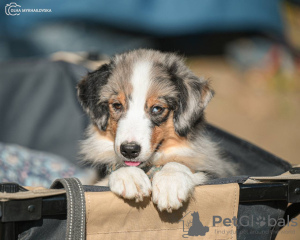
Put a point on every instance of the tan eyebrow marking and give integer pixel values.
(114, 116)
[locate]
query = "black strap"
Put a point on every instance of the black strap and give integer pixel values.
(295, 170)
(291, 212)
(76, 207)
(11, 187)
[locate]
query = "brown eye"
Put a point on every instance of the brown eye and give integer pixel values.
(157, 110)
(117, 106)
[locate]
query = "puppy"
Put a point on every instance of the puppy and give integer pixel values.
(147, 114)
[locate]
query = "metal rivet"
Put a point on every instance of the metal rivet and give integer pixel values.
(31, 208)
(297, 191)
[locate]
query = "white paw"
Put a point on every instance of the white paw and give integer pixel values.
(172, 186)
(130, 183)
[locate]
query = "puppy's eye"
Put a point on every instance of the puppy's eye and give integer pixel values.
(117, 106)
(157, 110)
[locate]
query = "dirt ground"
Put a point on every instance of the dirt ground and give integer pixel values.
(257, 107)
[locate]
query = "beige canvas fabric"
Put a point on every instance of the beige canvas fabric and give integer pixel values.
(283, 177)
(110, 217)
(34, 192)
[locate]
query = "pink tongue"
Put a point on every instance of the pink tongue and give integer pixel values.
(129, 163)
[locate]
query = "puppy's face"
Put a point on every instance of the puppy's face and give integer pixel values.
(141, 100)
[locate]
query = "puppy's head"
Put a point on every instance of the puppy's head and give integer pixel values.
(142, 99)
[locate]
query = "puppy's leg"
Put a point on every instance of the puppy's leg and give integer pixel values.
(130, 183)
(173, 185)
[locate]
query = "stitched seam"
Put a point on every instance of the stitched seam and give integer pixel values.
(150, 230)
(145, 230)
(235, 188)
(71, 209)
(82, 206)
(88, 206)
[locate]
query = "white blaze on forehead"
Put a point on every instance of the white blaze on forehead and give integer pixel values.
(135, 126)
(140, 82)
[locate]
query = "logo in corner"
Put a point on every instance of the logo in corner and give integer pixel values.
(192, 226)
(12, 9)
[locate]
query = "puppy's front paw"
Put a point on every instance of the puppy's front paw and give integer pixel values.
(172, 186)
(130, 183)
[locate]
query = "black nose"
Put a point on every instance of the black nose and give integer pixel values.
(130, 150)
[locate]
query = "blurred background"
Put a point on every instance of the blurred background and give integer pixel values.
(249, 49)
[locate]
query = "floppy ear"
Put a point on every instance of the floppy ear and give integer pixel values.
(88, 91)
(194, 95)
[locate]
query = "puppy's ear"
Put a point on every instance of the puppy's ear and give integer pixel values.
(194, 95)
(88, 91)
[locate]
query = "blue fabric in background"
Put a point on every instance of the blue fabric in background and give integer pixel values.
(157, 17)
(34, 168)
